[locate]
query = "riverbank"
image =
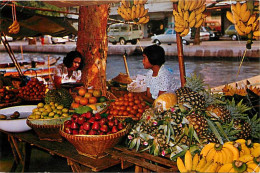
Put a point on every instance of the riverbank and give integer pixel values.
(218, 49)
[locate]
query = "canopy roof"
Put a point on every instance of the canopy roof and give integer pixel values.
(69, 3)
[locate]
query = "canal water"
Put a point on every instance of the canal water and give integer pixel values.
(214, 71)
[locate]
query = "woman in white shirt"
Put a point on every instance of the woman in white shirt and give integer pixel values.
(159, 79)
(70, 70)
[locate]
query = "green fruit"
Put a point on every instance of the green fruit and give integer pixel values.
(56, 116)
(40, 105)
(37, 116)
(65, 110)
(59, 112)
(35, 110)
(47, 106)
(51, 114)
(45, 113)
(102, 99)
(37, 113)
(52, 103)
(65, 114)
(60, 107)
(49, 110)
(41, 109)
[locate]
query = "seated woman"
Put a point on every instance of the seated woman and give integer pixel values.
(70, 70)
(158, 79)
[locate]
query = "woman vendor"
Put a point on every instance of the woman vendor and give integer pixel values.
(70, 70)
(159, 79)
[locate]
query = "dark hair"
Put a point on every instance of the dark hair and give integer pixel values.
(68, 59)
(155, 54)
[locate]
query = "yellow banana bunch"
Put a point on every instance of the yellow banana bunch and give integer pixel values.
(143, 20)
(14, 28)
(240, 166)
(244, 21)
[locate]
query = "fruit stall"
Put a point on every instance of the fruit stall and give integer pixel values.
(194, 128)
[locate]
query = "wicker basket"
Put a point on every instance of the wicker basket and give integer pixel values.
(45, 131)
(122, 118)
(118, 92)
(94, 146)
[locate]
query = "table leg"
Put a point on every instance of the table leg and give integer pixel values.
(27, 157)
(138, 169)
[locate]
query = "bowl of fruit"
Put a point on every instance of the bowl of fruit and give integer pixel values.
(92, 134)
(47, 119)
(13, 119)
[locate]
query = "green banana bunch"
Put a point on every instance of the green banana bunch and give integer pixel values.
(188, 15)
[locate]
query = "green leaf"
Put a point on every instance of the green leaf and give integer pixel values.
(222, 131)
(145, 149)
(133, 143)
(83, 109)
(138, 144)
(214, 130)
(180, 154)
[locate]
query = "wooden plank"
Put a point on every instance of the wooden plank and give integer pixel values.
(137, 161)
(125, 164)
(148, 156)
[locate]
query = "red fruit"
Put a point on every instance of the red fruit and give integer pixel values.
(104, 128)
(68, 130)
(81, 120)
(86, 126)
(114, 129)
(111, 123)
(97, 116)
(120, 126)
(103, 121)
(82, 132)
(74, 125)
(67, 123)
(110, 117)
(81, 127)
(75, 132)
(116, 122)
(109, 132)
(92, 132)
(95, 125)
(101, 133)
(91, 120)
(87, 115)
(74, 118)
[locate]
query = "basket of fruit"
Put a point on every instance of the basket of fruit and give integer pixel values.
(131, 105)
(91, 134)
(47, 119)
(8, 97)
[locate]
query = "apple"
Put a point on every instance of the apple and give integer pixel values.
(104, 128)
(75, 132)
(92, 132)
(82, 132)
(81, 120)
(91, 120)
(114, 129)
(110, 117)
(95, 125)
(120, 126)
(87, 115)
(86, 126)
(67, 123)
(74, 118)
(74, 125)
(97, 116)
(111, 123)
(68, 130)
(103, 121)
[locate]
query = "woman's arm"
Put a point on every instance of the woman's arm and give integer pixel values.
(57, 81)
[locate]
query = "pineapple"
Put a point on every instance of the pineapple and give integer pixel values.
(219, 112)
(182, 90)
(198, 121)
(208, 137)
(244, 127)
(192, 100)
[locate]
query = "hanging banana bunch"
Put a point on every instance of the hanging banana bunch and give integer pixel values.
(244, 21)
(188, 15)
(14, 28)
(133, 10)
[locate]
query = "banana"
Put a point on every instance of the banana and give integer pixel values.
(193, 5)
(223, 158)
(198, 17)
(251, 20)
(179, 9)
(246, 16)
(143, 20)
(256, 33)
(238, 8)
(234, 150)
(195, 161)
(256, 151)
(226, 167)
(201, 9)
(233, 9)
(180, 165)
(212, 168)
(204, 152)
(133, 12)
(243, 9)
(217, 157)
(145, 12)
(125, 3)
(236, 18)
(229, 155)
(186, 16)
(255, 25)
(142, 9)
(175, 13)
(241, 141)
(13, 24)
(201, 163)
(181, 4)
(230, 17)
(185, 32)
(199, 23)
(143, 1)
(187, 4)
(241, 26)
(249, 170)
(253, 166)
(246, 158)
(203, 169)
(192, 23)
(244, 148)
(135, 2)
(188, 160)
(192, 16)
(146, 20)
(179, 25)
(179, 29)
(137, 11)
(210, 156)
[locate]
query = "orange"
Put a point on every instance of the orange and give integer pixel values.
(83, 101)
(90, 90)
(77, 99)
(97, 93)
(88, 95)
(92, 100)
(82, 91)
(74, 105)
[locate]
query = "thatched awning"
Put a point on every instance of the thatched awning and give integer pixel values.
(80, 3)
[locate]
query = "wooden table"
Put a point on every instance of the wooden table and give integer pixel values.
(143, 162)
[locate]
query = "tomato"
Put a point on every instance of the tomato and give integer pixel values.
(133, 111)
(140, 110)
(115, 112)
(123, 108)
(135, 107)
(125, 113)
(126, 103)
(137, 101)
(121, 98)
(131, 104)
(128, 108)
(120, 113)
(130, 99)
(130, 95)
(138, 115)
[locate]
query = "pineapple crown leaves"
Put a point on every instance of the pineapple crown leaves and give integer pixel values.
(214, 130)
(237, 110)
(255, 125)
(229, 131)
(195, 83)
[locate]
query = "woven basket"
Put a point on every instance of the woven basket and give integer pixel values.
(45, 131)
(122, 118)
(118, 92)
(94, 146)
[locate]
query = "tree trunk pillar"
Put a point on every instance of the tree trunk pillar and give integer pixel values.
(92, 44)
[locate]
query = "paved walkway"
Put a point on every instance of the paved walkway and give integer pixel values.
(224, 48)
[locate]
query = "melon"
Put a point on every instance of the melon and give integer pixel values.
(165, 101)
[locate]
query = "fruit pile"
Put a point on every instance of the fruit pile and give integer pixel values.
(92, 124)
(49, 111)
(130, 105)
(8, 95)
(239, 156)
(87, 97)
(34, 90)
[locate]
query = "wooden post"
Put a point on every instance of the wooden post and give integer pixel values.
(92, 44)
(180, 54)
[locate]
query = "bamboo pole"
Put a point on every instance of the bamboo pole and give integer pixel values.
(180, 54)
